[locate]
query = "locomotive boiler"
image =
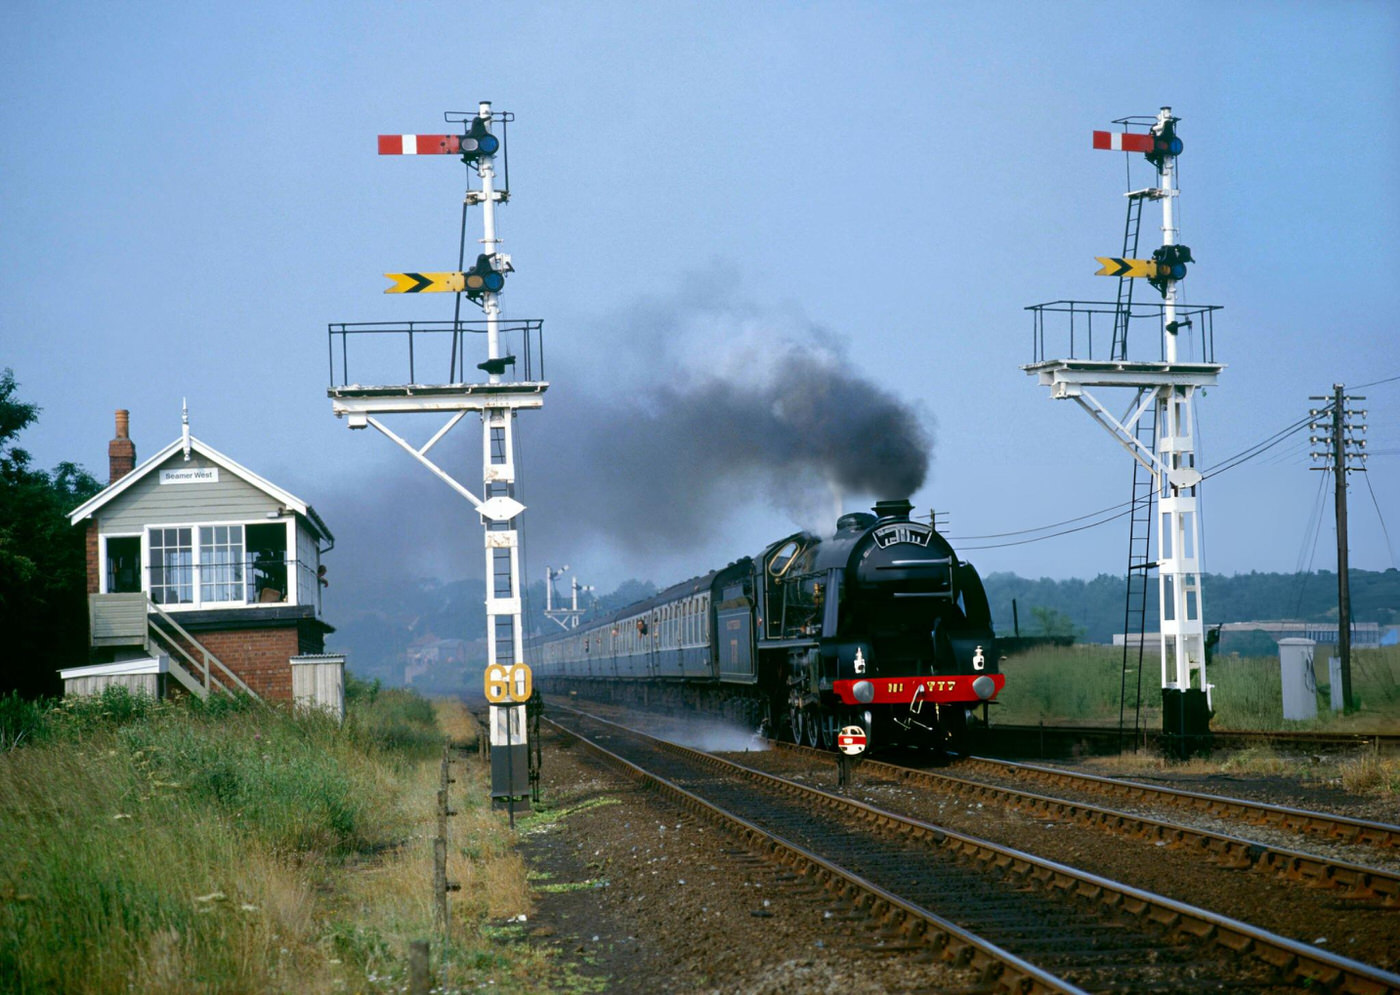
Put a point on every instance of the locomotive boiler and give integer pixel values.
(878, 625)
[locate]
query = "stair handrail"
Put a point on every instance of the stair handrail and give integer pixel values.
(208, 657)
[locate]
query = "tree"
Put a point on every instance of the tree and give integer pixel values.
(1055, 623)
(42, 558)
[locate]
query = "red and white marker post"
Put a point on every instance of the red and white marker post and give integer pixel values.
(851, 741)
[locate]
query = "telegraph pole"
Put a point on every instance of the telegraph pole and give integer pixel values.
(1339, 475)
(1339, 435)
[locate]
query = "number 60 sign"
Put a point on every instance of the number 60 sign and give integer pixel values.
(512, 683)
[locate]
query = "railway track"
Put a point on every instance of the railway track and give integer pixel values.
(1057, 741)
(1029, 924)
(1385, 836)
(1351, 880)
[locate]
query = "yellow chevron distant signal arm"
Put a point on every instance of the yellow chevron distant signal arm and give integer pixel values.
(426, 283)
(1113, 266)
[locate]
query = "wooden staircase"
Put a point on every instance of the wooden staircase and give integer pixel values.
(134, 620)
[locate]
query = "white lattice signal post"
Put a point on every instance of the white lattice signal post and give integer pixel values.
(1156, 427)
(509, 379)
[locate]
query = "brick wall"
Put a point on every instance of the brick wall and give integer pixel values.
(93, 577)
(258, 656)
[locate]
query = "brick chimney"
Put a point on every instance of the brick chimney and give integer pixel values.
(121, 451)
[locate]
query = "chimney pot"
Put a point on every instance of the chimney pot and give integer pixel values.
(121, 451)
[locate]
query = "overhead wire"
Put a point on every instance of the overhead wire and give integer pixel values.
(1309, 547)
(1390, 547)
(1229, 463)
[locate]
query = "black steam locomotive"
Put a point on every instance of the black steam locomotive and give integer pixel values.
(880, 625)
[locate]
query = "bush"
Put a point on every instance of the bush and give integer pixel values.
(395, 720)
(23, 721)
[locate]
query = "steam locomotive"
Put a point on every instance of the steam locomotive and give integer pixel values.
(879, 625)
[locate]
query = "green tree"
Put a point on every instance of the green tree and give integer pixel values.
(42, 558)
(1053, 622)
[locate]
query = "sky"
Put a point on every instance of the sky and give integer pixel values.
(745, 227)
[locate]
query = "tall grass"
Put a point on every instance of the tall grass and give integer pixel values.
(1080, 685)
(227, 847)
(157, 847)
(1067, 684)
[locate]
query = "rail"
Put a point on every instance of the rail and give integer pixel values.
(1355, 881)
(955, 944)
(1339, 827)
(1297, 964)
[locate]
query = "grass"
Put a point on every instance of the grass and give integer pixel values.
(227, 847)
(1367, 775)
(1080, 685)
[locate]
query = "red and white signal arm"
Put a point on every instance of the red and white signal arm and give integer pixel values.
(1123, 141)
(851, 740)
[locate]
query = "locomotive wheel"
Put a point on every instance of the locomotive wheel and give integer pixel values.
(796, 723)
(813, 722)
(831, 727)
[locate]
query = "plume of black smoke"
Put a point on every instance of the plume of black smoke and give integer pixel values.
(732, 407)
(683, 417)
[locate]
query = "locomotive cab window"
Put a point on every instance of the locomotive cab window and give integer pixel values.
(784, 558)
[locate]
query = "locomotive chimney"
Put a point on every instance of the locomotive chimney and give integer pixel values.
(121, 451)
(894, 511)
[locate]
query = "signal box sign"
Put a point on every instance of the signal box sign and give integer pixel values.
(851, 740)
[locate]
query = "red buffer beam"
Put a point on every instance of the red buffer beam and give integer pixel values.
(1117, 141)
(420, 144)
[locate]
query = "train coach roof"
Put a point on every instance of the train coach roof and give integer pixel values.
(685, 589)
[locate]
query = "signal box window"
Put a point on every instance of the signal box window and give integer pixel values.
(220, 563)
(267, 563)
(123, 564)
(172, 566)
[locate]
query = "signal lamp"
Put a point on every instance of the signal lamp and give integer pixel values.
(478, 142)
(1171, 263)
(1165, 143)
(483, 278)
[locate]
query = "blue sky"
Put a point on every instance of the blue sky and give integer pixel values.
(189, 193)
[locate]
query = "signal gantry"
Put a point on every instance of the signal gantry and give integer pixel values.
(1156, 428)
(393, 365)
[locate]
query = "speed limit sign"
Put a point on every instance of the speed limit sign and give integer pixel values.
(513, 683)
